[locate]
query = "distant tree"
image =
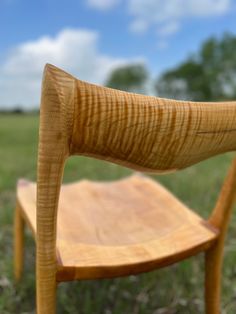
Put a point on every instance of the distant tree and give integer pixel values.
(128, 78)
(208, 75)
(17, 110)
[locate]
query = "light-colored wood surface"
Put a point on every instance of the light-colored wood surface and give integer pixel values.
(118, 228)
(133, 225)
(214, 256)
(19, 242)
(149, 133)
(52, 152)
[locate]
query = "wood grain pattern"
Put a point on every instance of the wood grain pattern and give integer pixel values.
(99, 230)
(119, 228)
(214, 256)
(52, 152)
(149, 133)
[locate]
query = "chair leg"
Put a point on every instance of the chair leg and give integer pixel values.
(18, 243)
(46, 294)
(213, 269)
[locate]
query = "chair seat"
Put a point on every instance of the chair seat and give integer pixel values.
(104, 228)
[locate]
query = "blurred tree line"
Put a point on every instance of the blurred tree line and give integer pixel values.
(208, 75)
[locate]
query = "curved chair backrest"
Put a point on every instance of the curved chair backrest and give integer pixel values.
(141, 132)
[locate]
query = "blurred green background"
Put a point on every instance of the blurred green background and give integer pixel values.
(177, 289)
(167, 49)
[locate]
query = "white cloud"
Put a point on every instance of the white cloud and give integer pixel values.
(162, 13)
(139, 26)
(168, 29)
(102, 5)
(163, 32)
(162, 44)
(74, 50)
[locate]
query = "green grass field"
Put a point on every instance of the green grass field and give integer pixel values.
(177, 289)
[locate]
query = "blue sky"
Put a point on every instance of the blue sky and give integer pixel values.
(89, 38)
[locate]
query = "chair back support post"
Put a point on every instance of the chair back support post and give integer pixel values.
(214, 256)
(223, 209)
(53, 150)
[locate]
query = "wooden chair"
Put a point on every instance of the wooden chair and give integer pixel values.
(89, 230)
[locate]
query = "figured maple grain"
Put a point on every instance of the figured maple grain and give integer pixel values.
(118, 228)
(149, 133)
(214, 256)
(99, 230)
